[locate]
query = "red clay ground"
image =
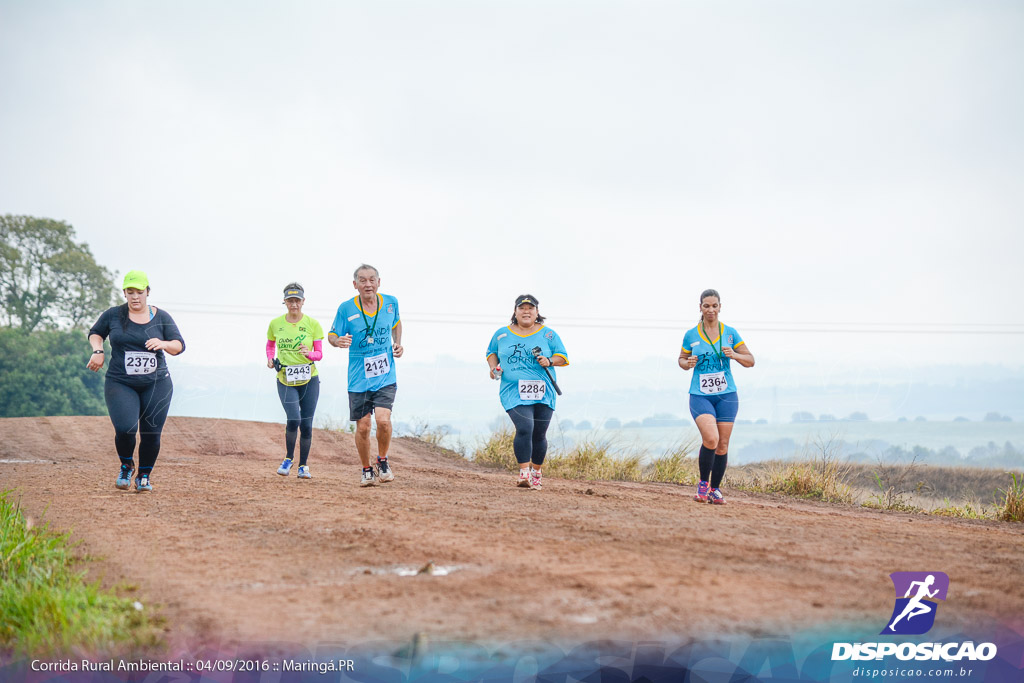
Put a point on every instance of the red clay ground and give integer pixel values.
(231, 552)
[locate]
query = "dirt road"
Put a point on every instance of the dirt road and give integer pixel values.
(229, 551)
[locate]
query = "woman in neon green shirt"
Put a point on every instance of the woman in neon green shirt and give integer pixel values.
(297, 340)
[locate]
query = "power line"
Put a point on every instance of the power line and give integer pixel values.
(822, 327)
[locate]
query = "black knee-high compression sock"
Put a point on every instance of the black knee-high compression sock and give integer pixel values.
(718, 470)
(704, 462)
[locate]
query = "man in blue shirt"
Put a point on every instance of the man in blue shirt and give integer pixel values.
(370, 327)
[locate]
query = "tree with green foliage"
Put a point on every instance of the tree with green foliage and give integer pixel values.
(51, 288)
(47, 279)
(44, 373)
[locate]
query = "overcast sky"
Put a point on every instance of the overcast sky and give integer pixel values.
(820, 163)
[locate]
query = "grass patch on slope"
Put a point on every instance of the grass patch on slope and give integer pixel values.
(47, 607)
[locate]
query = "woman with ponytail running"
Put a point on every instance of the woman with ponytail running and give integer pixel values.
(708, 350)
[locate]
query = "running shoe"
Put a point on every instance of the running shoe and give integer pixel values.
(535, 480)
(304, 472)
(715, 497)
(285, 467)
(524, 478)
(369, 479)
(702, 492)
(384, 472)
(142, 483)
(124, 479)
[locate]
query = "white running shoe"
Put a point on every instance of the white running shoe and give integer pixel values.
(523, 481)
(304, 472)
(369, 479)
(384, 471)
(535, 483)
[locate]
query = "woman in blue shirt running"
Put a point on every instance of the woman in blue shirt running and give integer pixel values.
(526, 392)
(708, 350)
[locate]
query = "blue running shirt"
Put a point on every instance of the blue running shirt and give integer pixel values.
(712, 375)
(371, 360)
(515, 356)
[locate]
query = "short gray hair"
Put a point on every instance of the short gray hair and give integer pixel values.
(365, 266)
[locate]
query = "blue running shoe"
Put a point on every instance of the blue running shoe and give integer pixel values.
(304, 472)
(285, 467)
(702, 492)
(142, 483)
(124, 479)
(715, 497)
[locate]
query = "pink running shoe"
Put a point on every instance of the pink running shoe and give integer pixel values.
(535, 480)
(715, 497)
(702, 493)
(524, 478)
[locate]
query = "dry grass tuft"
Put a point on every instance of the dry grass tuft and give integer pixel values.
(1012, 508)
(595, 460)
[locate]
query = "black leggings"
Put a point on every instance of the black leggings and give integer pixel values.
(299, 405)
(129, 407)
(531, 442)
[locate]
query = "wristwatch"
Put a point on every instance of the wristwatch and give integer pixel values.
(95, 352)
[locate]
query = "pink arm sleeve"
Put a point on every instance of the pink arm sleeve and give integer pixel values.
(318, 350)
(271, 346)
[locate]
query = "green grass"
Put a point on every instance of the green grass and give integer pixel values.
(47, 607)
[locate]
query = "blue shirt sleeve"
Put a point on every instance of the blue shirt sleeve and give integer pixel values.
(688, 341)
(558, 348)
(737, 339)
(339, 324)
(398, 318)
(492, 347)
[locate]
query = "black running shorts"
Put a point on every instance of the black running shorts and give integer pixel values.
(362, 403)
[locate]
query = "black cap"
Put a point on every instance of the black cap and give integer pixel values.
(525, 299)
(294, 293)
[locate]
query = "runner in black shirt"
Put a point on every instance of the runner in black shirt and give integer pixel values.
(138, 386)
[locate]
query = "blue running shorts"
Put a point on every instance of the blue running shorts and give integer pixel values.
(723, 407)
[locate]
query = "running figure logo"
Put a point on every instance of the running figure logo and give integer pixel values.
(914, 613)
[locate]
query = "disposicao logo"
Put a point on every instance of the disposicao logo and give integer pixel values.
(917, 596)
(914, 613)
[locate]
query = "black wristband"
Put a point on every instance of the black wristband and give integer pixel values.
(95, 352)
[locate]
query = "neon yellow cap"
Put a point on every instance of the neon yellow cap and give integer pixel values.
(135, 279)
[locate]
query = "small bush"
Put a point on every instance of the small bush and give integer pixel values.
(820, 479)
(598, 460)
(675, 467)
(428, 433)
(965, 511)
(497, 450)
(1012, 507)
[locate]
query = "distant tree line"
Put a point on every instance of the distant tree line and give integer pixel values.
(803, 416)
(51, 289)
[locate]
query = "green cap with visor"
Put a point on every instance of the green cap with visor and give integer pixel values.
(135, 279)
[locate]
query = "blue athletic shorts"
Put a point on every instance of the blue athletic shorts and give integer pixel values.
(723, 407)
